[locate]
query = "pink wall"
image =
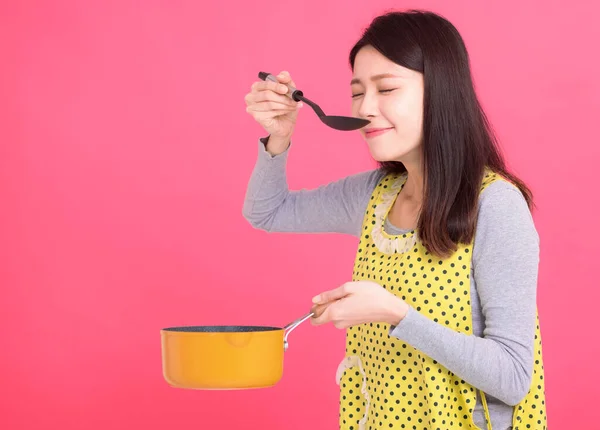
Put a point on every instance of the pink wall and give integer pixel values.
(125, 152)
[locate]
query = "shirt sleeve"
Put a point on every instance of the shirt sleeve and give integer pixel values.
(505, 269)
(336, 207)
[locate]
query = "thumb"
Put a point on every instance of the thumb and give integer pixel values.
(285, 78)
(331, 295)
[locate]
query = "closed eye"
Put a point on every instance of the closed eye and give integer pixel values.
(381, 91)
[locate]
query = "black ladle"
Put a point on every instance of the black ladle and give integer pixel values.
(344, 123)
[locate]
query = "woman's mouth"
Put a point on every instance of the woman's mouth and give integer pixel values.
(372, 132)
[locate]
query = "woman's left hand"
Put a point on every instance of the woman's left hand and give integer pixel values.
(356, 303)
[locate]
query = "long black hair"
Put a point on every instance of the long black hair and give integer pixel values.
(458, 142)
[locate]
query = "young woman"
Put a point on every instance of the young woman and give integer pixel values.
(441, 316)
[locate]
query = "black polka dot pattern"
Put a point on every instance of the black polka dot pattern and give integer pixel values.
(407, 389)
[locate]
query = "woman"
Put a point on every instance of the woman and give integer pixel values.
(441, 316)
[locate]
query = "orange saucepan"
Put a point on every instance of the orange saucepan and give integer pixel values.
(224, 357)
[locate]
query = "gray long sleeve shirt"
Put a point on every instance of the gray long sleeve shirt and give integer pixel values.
(498, 357)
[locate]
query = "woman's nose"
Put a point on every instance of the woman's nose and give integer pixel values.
(367, 106)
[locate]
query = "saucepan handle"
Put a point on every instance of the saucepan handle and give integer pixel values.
(291, 326)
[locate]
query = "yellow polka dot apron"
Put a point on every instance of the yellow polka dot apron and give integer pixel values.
(386, 383)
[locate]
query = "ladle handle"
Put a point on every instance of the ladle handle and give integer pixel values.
(291, 326)
(292, 92)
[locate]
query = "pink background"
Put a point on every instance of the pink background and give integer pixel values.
(125, 154)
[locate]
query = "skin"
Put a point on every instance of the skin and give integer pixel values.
(390, 96)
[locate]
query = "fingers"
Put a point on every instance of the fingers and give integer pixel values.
(280, 87)
(269, 96)
(318, 310)
(330, 313)
(323, 314)
(269, 85)
(262, 96)
(260, 115)
(269, 106)
(336, 294)
(285, 78)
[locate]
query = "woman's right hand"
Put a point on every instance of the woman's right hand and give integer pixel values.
(268, 103)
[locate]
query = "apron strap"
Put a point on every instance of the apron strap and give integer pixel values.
(486, 410)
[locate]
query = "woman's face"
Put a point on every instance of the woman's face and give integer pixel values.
(391, 97)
